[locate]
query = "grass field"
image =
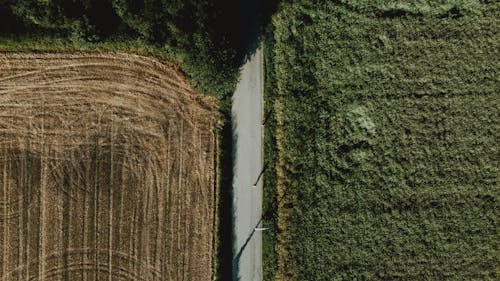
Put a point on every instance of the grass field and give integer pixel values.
(388, 121)
(107, 169)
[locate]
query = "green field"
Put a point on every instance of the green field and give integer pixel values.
(388, 129)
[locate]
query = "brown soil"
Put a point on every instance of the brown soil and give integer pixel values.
(107, 169)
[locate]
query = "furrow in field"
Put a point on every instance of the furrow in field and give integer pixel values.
(114, 155)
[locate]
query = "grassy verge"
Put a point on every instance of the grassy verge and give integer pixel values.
(389, 148)
(270, 204)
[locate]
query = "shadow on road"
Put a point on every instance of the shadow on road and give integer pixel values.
(246, 19)
(240, 252)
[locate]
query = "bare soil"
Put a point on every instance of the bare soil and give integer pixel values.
(107, 169)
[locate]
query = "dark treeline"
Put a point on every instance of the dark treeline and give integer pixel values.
(210, 38)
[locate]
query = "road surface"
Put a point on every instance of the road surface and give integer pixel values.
(247, 198)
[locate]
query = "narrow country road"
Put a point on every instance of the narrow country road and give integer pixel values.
(247, 129)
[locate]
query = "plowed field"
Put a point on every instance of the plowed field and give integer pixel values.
(107, 170)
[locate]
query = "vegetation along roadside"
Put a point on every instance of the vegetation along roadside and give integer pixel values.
(387, 121)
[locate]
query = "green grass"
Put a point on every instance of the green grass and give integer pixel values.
(391, 121)
(269, 205)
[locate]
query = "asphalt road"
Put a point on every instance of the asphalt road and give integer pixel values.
(247, 198)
